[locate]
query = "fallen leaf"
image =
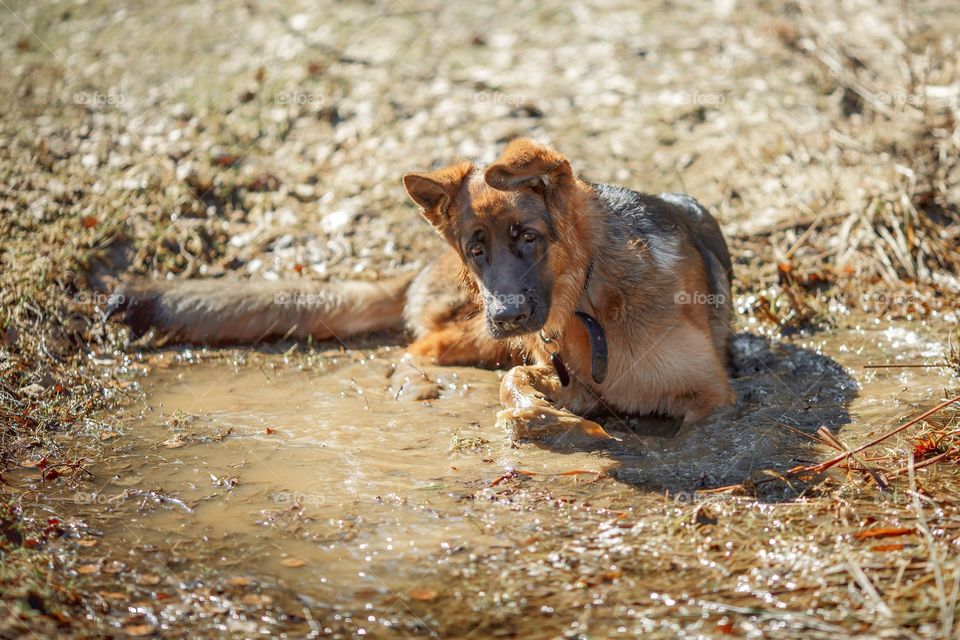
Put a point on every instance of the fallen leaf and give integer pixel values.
(89, 222)
(293, 563)
(883, 532)
(30, 464)
(423, 595)
(226, 159)
(139, 630)
(724, 626)
(896, 546)
(113, 567)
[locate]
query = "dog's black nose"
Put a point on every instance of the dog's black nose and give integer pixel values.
(512, 318)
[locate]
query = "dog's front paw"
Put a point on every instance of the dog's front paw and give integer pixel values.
(541, 421)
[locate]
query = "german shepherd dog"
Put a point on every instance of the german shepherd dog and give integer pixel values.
(603, 300)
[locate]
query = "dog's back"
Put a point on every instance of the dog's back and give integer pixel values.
(667, 219)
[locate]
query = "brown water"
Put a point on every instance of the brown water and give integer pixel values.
(320, 482)
(328, 468)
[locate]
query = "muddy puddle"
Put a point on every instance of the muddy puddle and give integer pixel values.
(320, 482)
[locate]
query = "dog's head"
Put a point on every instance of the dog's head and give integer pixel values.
(518, 228)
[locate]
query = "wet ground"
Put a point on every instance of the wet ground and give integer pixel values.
(317, 489)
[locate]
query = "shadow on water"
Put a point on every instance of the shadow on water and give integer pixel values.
(784, 394)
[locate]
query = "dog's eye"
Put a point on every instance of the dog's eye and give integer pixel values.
(475, 250)
(530, 236)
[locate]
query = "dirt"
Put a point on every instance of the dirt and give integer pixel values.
(285, 489)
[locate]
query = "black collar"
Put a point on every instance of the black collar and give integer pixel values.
(598, 346)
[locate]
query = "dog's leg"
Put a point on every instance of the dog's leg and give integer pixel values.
(464, 343)
(528, 395)
(709, 391)
(716, 394)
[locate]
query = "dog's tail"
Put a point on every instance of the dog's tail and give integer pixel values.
(239, 312)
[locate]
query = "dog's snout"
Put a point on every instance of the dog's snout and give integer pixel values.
(510, 318)
(509, 313)
(513, 308)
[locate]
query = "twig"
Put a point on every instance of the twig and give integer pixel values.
(514, 473)
(911, 365)
(823, 466)
(727, 489)
(803, 236)
(927, 462)
(831, 440)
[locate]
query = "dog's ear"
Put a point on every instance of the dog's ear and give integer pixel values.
(527, 164)
(434, 191)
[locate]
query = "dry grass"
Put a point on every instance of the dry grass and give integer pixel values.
(889, 243)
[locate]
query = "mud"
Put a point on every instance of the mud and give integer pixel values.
(320, 482)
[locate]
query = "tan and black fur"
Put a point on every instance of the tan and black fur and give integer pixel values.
(530, 244)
